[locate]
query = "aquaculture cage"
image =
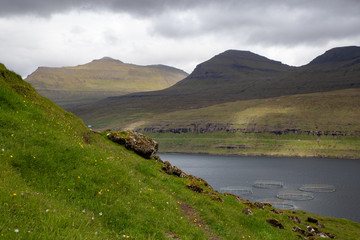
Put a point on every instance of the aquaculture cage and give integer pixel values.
(237, 190)
(279, 203)
(295, 195)
(317, 188)
(268, 184)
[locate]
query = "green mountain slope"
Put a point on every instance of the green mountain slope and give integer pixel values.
(100, 79)
(239, 92)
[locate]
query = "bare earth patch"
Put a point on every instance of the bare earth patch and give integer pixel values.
(193, 216)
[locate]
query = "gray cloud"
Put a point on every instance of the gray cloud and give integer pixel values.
(48, 7)
(257, 21)
(171, 32)
(267, 22)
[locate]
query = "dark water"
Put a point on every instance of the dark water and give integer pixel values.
(223, 171)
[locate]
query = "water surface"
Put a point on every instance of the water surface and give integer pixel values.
(223, 171)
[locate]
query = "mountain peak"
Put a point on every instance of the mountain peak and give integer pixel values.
(238, 61)
(107, 59)
(338, 54)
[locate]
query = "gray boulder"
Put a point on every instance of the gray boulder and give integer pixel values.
(139, 143)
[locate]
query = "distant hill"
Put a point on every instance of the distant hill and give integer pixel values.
(100, 79)
(233, 76)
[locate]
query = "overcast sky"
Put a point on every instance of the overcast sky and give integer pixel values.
(179, 33)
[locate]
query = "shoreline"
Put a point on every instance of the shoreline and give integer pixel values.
(256, 155)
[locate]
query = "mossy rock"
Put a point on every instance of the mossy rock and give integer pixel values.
(139, 143)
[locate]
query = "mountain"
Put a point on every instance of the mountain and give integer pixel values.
(238, 75)
(244, 93)
(99, 79)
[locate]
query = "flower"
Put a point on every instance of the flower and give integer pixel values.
(100, 213)
(16, 230)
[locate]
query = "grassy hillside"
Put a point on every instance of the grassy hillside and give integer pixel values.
(100, 79)
(58, 180)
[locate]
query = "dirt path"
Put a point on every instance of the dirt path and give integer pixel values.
(193, 216)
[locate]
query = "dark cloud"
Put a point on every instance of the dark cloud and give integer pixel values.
(158, 28)
(256, 21)
(273, 22)
(47, 7)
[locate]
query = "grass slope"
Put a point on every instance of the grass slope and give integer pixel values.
(60, 181)
(100, 79)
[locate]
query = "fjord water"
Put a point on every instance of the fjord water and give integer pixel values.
(224, 171)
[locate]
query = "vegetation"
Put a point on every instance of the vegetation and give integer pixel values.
(58, 180)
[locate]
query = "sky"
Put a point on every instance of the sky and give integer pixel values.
(178, 33)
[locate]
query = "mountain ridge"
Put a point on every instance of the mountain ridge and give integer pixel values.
(217, 81)
(99, 79)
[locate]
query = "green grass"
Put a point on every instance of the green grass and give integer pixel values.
(54, 185)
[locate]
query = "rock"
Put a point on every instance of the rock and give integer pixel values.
(247, 211)
(195, 187)
(295, 219)
(262, 205)
(167, 168)
(275, 223)
(178, 172)
(321, 234)
(276, 211)
(139, 143)
(312, 220)
(158, 159)
(301, 231)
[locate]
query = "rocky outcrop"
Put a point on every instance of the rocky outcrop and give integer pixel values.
(247, 211)
(137, 142)
(194, 186)
(275, 223)
(202, 127)
(294, 219)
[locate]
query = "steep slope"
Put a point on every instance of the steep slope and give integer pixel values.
(61, 181)
(100, 79)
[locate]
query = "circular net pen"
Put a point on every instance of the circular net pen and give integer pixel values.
(268, 184)
(317, 188)
(278, 203)
(236, 190)
(295, 195)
